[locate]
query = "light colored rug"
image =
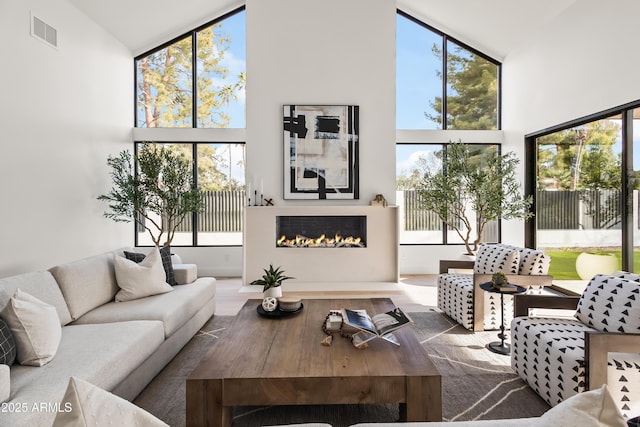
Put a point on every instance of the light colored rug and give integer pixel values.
(476, 383)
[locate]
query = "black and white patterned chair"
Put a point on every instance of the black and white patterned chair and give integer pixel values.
(560, 357)
(460, 296)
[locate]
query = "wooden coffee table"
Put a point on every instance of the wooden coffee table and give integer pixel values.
(262, 361)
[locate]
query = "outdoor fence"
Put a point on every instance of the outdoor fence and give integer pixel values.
(556, 210)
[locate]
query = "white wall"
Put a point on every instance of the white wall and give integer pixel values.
(584, 62)
(62, 112)
(322, 52)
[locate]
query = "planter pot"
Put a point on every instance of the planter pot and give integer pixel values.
(275, 292)
(467, 257)
(588, 265)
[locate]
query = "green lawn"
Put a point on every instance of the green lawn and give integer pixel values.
(563, 263)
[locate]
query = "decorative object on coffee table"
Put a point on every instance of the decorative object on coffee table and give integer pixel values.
(269, 304)
(271, 281)
(289, 303)
(501, 347)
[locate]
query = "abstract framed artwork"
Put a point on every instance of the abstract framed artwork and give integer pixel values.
(321, 144)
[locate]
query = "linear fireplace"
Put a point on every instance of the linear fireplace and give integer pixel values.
(376, 260)
(326, 231)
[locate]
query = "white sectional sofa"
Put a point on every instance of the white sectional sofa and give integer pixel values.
(117, 346)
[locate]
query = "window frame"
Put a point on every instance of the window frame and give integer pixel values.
(445, 39)
(194, 215)
(626, 208)
(194, 59)
(445, 229)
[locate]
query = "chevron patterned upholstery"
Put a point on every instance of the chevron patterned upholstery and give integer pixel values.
(549, 353)
(456, 291)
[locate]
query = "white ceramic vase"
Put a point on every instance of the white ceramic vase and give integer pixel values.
(275, 291)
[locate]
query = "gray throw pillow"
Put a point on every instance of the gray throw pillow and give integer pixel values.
(7, 344)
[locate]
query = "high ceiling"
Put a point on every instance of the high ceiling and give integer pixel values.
(495, 26)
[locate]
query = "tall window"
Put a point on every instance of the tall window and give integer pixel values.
(586, 191)
(441, 84)
(197, 80)
(437, 76)
(418, 225)
(219, 172)
(209, 59)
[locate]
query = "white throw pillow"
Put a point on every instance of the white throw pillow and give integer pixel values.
(86, 405)
(138, 280)
(35, 327)
(594, 408)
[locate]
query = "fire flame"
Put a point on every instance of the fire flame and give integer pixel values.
(320, 242)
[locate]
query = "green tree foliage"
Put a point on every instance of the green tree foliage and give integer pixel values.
(472, 188)
(158, 196)
(580, 158)
(165, 83)
(472, 95)
(215, 165)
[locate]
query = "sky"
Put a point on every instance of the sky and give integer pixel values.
(417, 82)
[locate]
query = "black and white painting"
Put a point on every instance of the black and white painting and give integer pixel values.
(321, 151)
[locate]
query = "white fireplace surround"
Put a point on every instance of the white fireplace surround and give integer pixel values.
(377, 262)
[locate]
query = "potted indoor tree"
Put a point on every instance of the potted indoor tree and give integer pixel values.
(271, 281)
(156, 191)
(469, 190)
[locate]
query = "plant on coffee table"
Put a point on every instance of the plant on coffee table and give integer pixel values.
(272, 279)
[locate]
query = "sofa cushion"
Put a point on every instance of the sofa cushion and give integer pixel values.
(185, 273)
(610, 304)
(87, 283)
(35, 327)
(174, 309)
(41, 285)
(595, 408)
(86, 405)
(493, 258)
(139, 280)
(103, 354)
(7, 344)
(5, 383)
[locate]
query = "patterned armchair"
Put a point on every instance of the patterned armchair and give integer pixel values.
(460, 296)
(560, 357)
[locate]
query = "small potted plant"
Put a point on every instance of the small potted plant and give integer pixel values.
(499, 279)
(271, 281)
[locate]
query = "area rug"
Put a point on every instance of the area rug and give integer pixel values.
(476, 383)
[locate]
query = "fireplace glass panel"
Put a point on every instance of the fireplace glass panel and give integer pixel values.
(321, 231)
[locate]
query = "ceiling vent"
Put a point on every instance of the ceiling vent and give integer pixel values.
(44, 32)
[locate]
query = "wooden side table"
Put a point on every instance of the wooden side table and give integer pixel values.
(501, 347)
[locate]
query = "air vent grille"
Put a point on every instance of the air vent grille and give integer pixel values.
(43, 31)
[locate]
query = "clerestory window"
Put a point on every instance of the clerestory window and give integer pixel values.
(196, 80)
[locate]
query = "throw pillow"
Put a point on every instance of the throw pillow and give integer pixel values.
(167, 264)
(533, 262)
(7, 344)
(595, 408)
(86, 405)
(610, 304)
(494, 258)
(35, 326)
(138, 280)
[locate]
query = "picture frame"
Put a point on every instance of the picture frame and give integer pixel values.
(321, 150)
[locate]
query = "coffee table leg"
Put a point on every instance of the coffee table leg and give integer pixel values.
(204, 404)
(424, 400)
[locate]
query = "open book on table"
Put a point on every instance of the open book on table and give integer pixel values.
(379, 326)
